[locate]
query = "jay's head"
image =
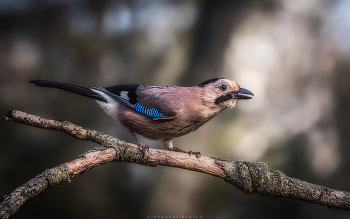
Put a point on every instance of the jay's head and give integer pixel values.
(222, 93)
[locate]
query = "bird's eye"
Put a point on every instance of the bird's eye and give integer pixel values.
(223, 87)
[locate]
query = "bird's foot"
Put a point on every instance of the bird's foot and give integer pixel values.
(198, 154)
(143, 147)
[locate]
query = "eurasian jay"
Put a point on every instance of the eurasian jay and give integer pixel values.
(161, 112)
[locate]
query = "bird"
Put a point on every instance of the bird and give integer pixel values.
(161, 112)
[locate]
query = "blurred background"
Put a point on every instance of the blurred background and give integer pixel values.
(294, 55)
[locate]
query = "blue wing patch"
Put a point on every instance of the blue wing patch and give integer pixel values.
(126, 94)
(154, 113)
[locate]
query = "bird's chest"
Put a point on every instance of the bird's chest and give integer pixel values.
(159, 129)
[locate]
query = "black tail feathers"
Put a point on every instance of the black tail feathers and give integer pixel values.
(71, 88)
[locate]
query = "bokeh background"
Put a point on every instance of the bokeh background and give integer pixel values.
(294, 55)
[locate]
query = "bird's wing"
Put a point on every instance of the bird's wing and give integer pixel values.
(166, 99)
(144, 100)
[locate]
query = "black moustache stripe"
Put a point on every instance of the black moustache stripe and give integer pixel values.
(223, 98)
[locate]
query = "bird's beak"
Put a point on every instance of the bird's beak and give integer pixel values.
(242, 94)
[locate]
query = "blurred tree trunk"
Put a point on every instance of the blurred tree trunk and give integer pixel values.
(342, 115)
(211, 35)
(216, 23)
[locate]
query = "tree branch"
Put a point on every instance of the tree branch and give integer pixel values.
(249, 177)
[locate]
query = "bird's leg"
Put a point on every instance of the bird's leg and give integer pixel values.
(168, 144)
(143, 147)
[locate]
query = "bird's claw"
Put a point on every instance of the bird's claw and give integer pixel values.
(198, 154)
(143, 147)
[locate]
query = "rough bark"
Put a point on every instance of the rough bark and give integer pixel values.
(249, 177)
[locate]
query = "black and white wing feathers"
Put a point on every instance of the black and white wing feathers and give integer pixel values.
(128, 95)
